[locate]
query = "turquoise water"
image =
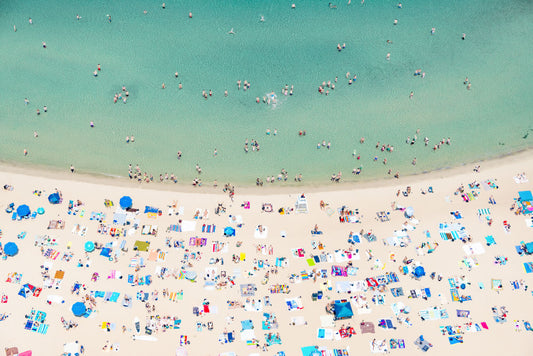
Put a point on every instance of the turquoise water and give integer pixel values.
(292, 46)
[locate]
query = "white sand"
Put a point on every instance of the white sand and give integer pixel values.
(430, 210)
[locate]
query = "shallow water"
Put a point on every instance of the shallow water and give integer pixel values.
(295, 47)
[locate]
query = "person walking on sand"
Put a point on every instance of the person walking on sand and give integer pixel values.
(71, 168)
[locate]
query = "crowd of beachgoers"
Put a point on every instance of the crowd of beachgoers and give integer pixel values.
(422, 266)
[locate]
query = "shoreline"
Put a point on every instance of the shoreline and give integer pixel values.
(267, 189)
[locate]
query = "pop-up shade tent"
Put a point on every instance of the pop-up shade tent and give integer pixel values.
(419, 272)
(229, 231)
(343, 310)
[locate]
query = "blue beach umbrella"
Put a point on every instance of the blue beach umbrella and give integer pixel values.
(125, 202)
(229, 231)
(11, 249)
(89, 246)
(23, 210)
(78, 309)
(54, 198)
(40, 211)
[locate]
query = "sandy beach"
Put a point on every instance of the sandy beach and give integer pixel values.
(394, 226)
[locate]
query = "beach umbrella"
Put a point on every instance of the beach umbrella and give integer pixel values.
(78, 309)
(191, 275)
(409, 212)
(54, 198)
(40, 211)
(11, 249)
(229, 231)
(23, 210)
(89, 246)
(125, 202)
(180, 351)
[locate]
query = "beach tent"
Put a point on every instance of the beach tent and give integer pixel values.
(342, 310)
(301, 205)
(54, 198)
(89, 246)
(229, 231)
(125, 202)
(11, 249)
(419, 272)
(409, 212)
(23, 210)
(78, 309)
(106, 252)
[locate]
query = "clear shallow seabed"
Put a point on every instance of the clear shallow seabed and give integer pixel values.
(292, 46)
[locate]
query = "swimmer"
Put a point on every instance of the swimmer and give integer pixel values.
(215, 152)
(127, 139)
(164, 6)
(109, 18)
(175, 74)
(95, 73)
(395, 21)
(190, 15)
(38, 112)
(411, 95)
(331, 6)
(262, 19)
(388, 56)
(30, 21)
(45, 108)
(463, 36)
(179, 154)
(466, 81)
(91, 124)
(132, 139)
(163, 86)
(275, 132)
(25, 152)
(99, 67)
(293, 6)
(78, 17)
(433, 30)
(180, 86)
(226, 92)
(468, 86)
(44, 44)
(231, 32)
(399, 5)
(14, 28)
(26, 101)
(268, 132)
(35, 134)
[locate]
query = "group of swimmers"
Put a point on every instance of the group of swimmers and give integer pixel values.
(253, 143)
(123, 95)
(136, 174)
(323, 144)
